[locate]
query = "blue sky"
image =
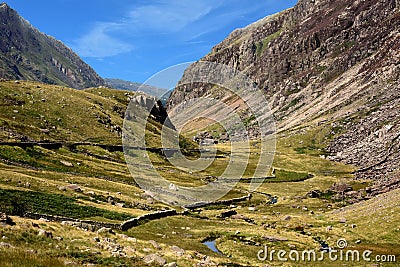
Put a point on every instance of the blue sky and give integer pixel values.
(133, 40)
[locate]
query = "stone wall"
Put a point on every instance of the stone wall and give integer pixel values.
(94, 225)
(85, 224)
(218, 202)
(149, 216)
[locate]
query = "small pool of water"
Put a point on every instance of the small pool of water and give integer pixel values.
(272, 199)
(211, 245)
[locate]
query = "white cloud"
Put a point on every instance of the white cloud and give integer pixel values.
(107, 39)
(181, 21)
(169, 16)
(99, 42)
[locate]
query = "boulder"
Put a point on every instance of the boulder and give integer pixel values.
(155, 244)
(227, 214)
(120, 205)
(45, 131)
(6, 245)
(45, 233)
(5, 220)
(178, 251)
(66, 163)
(62, 188)
(105, 230)
(154, 258)
(314, 194)
(74, 187)
(242, 217)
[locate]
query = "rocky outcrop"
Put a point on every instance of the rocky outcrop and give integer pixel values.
(151, 104)
(27, 54)
(331, 63)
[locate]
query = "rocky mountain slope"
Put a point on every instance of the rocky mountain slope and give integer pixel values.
(329, 64)
(27, 54)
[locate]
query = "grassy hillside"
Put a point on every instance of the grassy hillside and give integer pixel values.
(35, 111)
(39, 180)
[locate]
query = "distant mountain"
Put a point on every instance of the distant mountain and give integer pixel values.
(132, 86)
(28, 54)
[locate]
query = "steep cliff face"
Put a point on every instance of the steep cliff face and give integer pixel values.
(326, 62)
(27, 54)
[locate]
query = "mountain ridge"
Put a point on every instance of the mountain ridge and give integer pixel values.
(28, 54)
